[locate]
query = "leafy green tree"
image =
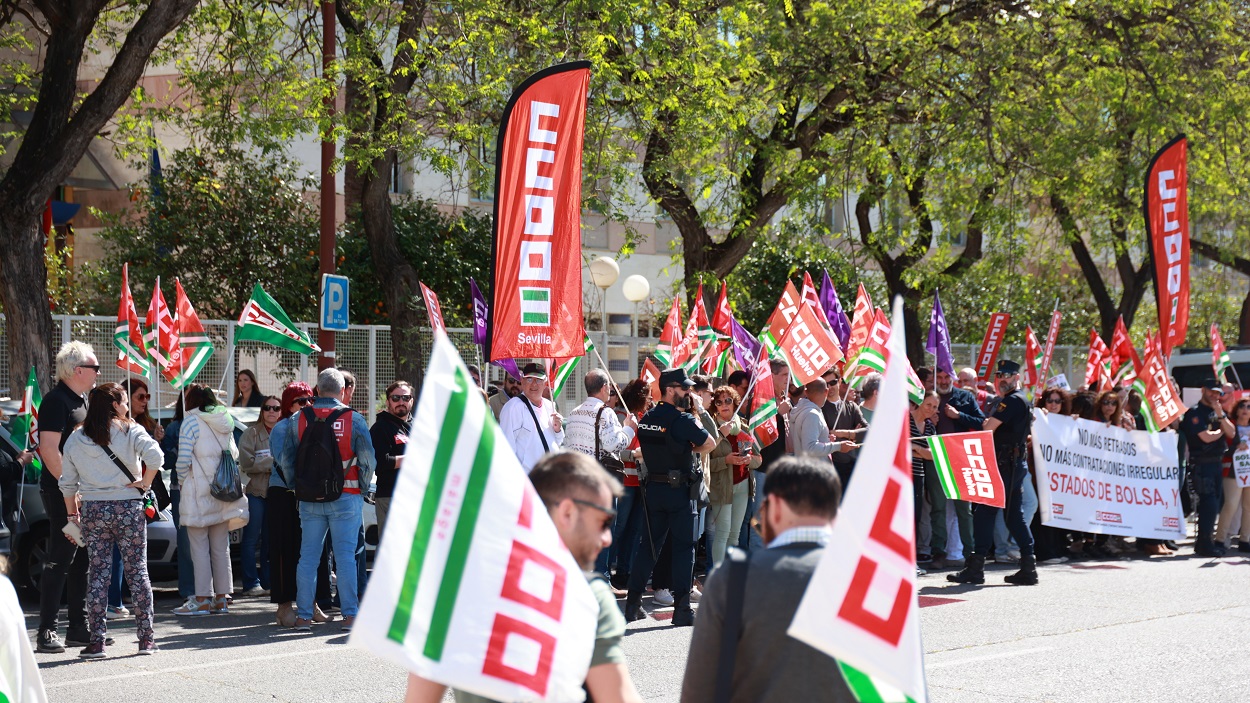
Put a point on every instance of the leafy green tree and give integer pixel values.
(62, 123)
(222, 221)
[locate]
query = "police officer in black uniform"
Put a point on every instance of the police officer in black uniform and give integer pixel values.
(670, 437)
(1011, 421)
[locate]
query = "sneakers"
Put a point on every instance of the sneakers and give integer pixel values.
(663, 597)
(319, 615)
(695, 595)
(302, 625)
(92, 651)
(195, 606)
(221, 604)
(924, 558)
(116, 613)
(48, 643)
(256, 592)
(147, 646)
(82, 639)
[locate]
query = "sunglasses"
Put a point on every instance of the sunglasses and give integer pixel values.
(93, 367)
(1110, 402)
(401, 398)
(140, 396)
(1054, 401)
(1003, 374)
(608, 513)
(304, 401)
(271, 408)
(725, 401)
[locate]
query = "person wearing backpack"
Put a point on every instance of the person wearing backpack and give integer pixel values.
(207, 433)
(333, 464)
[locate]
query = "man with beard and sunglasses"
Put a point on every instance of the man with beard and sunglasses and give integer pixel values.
(578, 495)
(390, 438)
(670, 437)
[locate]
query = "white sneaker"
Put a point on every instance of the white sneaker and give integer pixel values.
(255, 592)
(116, 613)
(695, 595)
(663, 597)
(195, 607)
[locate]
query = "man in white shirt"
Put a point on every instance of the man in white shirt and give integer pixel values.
(529, 421)
(581, 424)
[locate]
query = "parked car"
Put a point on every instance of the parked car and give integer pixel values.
(1190, 367)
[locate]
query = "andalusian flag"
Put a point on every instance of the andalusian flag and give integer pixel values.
(763, 404)
(873, 356)
(1219, 353)
(194, 347)
(561, 371)
(26, 424)
(265, 321)
(128, 335)
(472, 587)
(162, 338)
(670, 336)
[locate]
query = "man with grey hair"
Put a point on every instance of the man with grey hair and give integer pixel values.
(340, 516)
(811, 435)
(65, 569)
(594, 420)
(868, 395)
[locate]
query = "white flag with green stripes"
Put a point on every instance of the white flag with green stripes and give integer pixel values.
(473, 587)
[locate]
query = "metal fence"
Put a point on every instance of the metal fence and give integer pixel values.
(366, 351)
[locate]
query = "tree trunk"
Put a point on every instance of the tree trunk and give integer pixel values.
(402, 290)
(28, 319)
(1243, 322)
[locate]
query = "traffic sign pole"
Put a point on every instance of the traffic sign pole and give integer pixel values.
(325, 338)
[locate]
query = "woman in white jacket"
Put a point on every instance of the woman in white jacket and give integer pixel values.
(207, 431)
(103, 466)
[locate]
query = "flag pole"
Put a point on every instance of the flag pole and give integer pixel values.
(156, 368)
(611, 380)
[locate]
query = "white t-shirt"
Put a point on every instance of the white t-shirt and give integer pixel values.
(19, 675)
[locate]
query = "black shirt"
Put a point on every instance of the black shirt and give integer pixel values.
(844, 415)
(777, 449)
(1014, 412)
(61, 411)
(1198, 419)
(390, 439)
(667, 438)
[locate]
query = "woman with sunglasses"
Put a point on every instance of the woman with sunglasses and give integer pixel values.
(730, 466)
(256, 462)
(1234, 494)
(1055, 400)
(282, 515)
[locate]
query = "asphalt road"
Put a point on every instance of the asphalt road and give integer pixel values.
(1167, 629)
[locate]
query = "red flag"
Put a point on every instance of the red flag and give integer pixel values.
(991, 345)
(537, 274)
(808, 347)
(161, 339)
(1052, 337)
(861, 323)
(1094, 363)
(1161, 396)
(194, 346)
(967, 468)
(763, 403)
(132, 355)
(433, 309)
(651, 374)
(810, 297)
(1032, 376)
(722, 318)
(1167, 233)
(783, 314)
(670, 336)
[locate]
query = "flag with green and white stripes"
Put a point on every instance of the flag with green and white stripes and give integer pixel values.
(870, 689)
(473, 587)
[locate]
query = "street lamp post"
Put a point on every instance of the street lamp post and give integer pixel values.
(604, 271)
(636, 289)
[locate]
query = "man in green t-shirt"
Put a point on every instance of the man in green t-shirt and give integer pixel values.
(578, 494)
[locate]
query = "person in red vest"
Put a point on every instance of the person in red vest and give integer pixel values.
(340, 515)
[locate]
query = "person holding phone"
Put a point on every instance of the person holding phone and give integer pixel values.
(731, 464)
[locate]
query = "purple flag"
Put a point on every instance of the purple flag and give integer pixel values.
(509, 366)
(838, 321)
(939, 343)
(480, 311)
(746, 347)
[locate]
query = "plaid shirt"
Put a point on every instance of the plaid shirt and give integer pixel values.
(817, 535)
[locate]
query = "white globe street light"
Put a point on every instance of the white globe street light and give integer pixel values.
(636, 289)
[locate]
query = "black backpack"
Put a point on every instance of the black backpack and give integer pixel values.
(318, 463)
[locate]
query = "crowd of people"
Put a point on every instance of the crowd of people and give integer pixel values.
(673, 469)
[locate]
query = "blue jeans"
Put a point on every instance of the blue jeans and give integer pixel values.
(116, 582)
(186, 569)
(749, 539)
(341, 520)
(625, 534)
(1207, 477)
(603, 562)
(255, 534)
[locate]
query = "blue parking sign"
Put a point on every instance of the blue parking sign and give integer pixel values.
(334, 303)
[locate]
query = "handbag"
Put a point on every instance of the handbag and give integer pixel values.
(227, 485)
(607, 460)
(151, 508)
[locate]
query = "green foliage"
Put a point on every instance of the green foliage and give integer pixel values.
(221, 221)
(757, 281)
(446, 250)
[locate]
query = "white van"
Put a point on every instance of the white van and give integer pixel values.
(1190, 367)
